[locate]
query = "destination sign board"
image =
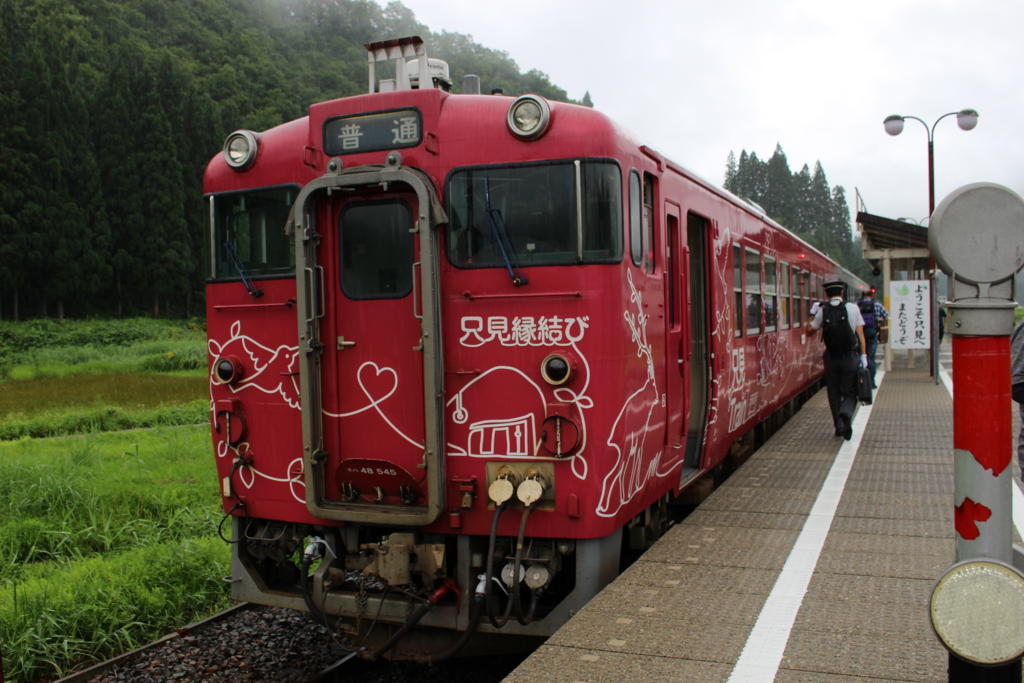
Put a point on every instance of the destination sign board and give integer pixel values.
(373, 132)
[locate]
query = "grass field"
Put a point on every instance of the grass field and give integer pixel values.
(108, 495)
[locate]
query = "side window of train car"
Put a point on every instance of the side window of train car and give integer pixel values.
(753, 288)
(784, 296)
(636, 230)
(648, 223)
(798, 311)
(737, 289)
(641, 221)
(771, 302)
(248, 234)
(530, 215)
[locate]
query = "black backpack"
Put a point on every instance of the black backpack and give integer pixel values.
(835, 329)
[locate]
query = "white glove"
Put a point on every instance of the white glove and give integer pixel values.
(814, 308)
(863, 360)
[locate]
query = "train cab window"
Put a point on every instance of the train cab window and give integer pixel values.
(783, 296)
(737, 289)
(376, 250)
(248, 234)
(771, 301)
(753, 291)
(526, 214)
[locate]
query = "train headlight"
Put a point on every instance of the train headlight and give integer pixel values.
(977, 611)
(240, 149)
(528, 117)
(227, 370)
(556, 369)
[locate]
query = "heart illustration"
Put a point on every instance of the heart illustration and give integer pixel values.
(377, 383)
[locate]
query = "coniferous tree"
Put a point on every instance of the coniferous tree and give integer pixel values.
(778, 193)
(14, 149)
(802, 202)
(730, 172)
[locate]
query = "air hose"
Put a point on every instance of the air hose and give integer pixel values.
(474, 618)
(513, 601)
(516, 566)
(415, 617)
(497, 622)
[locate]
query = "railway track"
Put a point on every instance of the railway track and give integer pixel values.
(250, 642)
(243, 643)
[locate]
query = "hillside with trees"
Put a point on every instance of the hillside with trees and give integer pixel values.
(803, 202)
(109, 111)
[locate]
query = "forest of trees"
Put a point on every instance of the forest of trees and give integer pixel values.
(110, 110)
(803, 202)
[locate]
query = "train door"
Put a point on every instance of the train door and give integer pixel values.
(698, 358)
(370, 368)
(676, 342)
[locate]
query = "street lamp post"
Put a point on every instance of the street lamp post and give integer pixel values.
(966, 119)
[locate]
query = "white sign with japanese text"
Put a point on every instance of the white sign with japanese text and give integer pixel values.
(910, 315)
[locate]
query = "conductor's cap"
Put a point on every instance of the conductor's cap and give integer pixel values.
(837, 286)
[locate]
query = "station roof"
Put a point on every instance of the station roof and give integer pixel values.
(897, 239)
(886, 233)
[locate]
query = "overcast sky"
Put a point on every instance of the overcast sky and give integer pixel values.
(695, 80)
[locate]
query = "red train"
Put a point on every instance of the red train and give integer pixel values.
(466, 350)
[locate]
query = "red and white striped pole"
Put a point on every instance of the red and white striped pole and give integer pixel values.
(982, 443)
(977, 235)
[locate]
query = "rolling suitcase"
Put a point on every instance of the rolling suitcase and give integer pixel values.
(864, 386)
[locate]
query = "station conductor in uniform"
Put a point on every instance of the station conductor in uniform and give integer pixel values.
(843, 330)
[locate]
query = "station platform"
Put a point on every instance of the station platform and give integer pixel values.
(814, 561)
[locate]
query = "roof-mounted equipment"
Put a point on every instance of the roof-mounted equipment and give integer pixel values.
(412, 67)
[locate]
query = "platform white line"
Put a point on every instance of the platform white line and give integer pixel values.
(762, 653)
(1017, 506)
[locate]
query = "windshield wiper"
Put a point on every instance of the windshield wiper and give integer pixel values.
(229, 246)
(499, 233)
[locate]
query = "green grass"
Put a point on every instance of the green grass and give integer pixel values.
(101, 419)
(147, 356)
(59, 348)
(106, 541)
(65, 499)
(68, 377)
(104, 605)
(107, 538)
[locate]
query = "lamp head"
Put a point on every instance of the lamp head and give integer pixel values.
(893, 124)
(967, 119)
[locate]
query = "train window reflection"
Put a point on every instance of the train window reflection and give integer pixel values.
(737, 288)
(771, 304)
(249, 239)
(376, 250)
(526, 215)
(753, 284)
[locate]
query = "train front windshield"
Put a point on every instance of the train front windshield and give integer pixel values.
(527, 214)
(249, 238)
